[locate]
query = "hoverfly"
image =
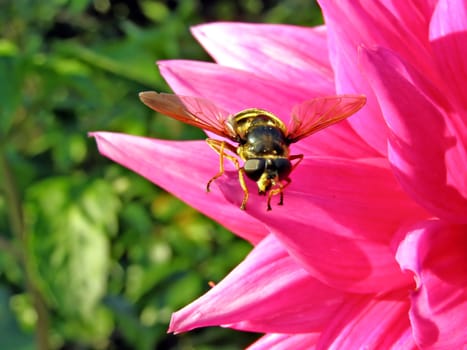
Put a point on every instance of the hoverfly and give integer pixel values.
(262, 139)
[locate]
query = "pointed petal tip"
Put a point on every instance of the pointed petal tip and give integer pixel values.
(164, 63)
(100, 135)
(198, 30)
(177, 325)
(148, 97)
(171, 329)
(146, 94)
(203, 28)
(215, 28)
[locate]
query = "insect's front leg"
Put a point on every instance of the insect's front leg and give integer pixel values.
(298, 157)
(278, 190)
(280, 187)
(220, 147)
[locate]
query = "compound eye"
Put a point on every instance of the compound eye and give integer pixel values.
(254, 168)
(283, 167)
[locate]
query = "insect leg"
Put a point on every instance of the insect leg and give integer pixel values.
(294, 157)
(280, 186)
(278, 190)
(220, 147)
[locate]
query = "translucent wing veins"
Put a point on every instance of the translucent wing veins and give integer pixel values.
(194, 111)
(314, 115)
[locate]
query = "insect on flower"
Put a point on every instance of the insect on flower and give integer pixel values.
(262, 139)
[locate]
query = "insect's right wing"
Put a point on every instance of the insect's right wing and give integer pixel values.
(190, 110)
(314, 115)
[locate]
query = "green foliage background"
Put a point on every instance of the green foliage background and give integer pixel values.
(93, 256)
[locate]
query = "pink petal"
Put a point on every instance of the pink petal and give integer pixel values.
(435, 252)
(405, 341)
(232, 89)
(221, 86)
(413, 17)
(448, 35)
(379, 323)
(286, 342)
(352, 23)
(337, 140)
(267, 292)
(401, 26)
(278, 52)
(338, 220)
(448, 38)
(428, 160)
(182, 168)
(376, 322)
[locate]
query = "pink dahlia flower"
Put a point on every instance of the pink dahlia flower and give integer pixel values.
(369, 249)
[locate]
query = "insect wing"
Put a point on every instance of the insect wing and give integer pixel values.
(190, 110)
(319, 113)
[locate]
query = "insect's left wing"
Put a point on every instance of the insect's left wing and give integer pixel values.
(190, 110)
(319, 113)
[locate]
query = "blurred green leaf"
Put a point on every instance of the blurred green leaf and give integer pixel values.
(11, 337)
(156, 11)
(22, 306)
(8, 48)
(12, 74)
(118, 59)
(113, 258)
(9, 267)
(78, 6)
(71, 219)
(140, 336)
(95, 330)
